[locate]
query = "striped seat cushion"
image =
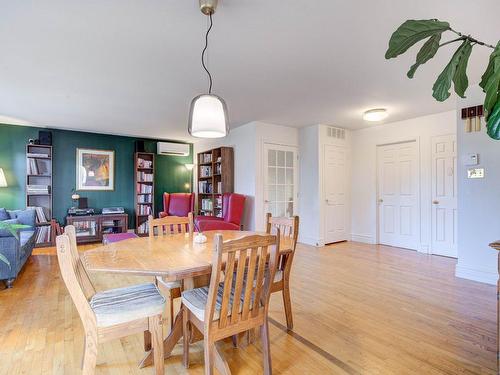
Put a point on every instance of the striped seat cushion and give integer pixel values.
(123, 305)
(196, 300)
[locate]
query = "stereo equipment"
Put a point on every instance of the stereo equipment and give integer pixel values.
(83, 202)
(73, 211)
(113, 210)
(45, 138)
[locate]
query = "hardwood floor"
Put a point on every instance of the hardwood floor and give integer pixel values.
(358, 309)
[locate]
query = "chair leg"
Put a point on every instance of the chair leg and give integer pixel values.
(235, 339)
(266, 348)
(147, 341)
(287, 301)
(172, 316)
(185, 336)
(155, 327)
(209, 349)
(89, 354)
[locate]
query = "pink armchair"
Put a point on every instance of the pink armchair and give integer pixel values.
(177, 204)
(232, 211)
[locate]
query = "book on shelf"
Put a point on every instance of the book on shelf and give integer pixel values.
(37, 167)
(37, 189)
(40, 214)
(143, 210)
(218, 168)
(205, 187)
(143, 228)
(206, 158)
(144, 189)
(207, 204)
(145, 198)
(143, 163)
(144, 176)
(37, 155)
(219, 187)
(43, 234)
(205, 171)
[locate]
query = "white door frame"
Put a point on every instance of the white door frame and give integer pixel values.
(377, 192)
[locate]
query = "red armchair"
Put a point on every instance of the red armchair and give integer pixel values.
(177, 204)
(232, 211)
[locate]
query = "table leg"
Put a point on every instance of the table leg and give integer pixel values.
(220, 362)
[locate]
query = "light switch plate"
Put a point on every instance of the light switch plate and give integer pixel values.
(471, 159)
(475, 173)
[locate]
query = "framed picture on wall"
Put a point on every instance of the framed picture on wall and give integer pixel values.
(95, 169)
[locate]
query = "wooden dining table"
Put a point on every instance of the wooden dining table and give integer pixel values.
(173, 257)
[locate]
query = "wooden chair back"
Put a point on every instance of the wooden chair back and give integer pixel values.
(80, 271)
(72, 277)
(245, 271)
(288, 227)
(171, 225)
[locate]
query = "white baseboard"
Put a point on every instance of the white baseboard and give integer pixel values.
(310, 241)
(365, 238)
(483, 275)
(424, 249)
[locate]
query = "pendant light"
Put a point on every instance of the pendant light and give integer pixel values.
(208, 112)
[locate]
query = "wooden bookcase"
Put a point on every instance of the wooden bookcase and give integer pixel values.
(144, 190)
(92, 228)
(215, 177)
(38, 190)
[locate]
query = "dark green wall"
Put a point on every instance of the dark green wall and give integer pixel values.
(171, 175)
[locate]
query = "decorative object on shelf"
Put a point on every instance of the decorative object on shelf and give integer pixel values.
(215, 177)
(413, 31)
(95, 169)
(472, 117)
(208, 112)
(3, 181)
(144, 194)
(75, 197)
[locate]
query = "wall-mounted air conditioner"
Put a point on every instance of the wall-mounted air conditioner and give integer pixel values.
(177, 149)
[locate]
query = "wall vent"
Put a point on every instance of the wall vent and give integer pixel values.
(336, 132)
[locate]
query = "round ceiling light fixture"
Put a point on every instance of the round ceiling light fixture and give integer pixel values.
(377, 114)
(208, 112)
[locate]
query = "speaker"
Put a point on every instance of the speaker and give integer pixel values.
(82, 203)
(139, 146)
(45, 137)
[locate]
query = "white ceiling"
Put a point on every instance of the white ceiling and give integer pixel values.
(132, 66)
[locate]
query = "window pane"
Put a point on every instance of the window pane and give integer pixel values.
(280, 193)
(271, 193)
(280, 209)
(289, 209)
(289, 193)
(271, 175)
(281, 158)
(271, 157)
(289, 159)
(272, 209)
(289, 176)
(281, 176)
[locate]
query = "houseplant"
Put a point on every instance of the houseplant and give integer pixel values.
(414, 31)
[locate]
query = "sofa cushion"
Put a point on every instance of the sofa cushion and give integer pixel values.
(25, 217)
(5, 232)
(4, 215)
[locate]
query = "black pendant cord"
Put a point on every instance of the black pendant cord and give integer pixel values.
(203, 55)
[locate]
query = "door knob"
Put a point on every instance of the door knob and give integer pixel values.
(435, 202)
(380, 200)
(266, 201)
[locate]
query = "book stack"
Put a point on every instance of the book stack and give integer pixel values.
(205, 187)
(145, 177)
(141, 163)
(37, 155)
(207, 204)
(144, 189)
(144, 199)
(144, 210)
(43, 234)
(205, 171)
(37, 189)
(143, 228)
(206, 158)
(40, 214)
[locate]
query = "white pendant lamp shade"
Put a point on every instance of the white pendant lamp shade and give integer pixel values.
(208, 117)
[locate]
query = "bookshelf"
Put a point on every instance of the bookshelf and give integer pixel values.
(144, 190)
(39, 190)
(215, 177)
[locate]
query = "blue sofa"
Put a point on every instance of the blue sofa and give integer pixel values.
(17, 251)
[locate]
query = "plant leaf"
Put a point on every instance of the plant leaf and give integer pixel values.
(491, 90)
(441, 88)
(426, 53)
(460, 80)
(411, 32)
(493, 124)
(491, 67)
(5, 260)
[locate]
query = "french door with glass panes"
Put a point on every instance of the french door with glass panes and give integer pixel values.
(280, 179)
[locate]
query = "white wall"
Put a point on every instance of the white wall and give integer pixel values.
(364, 167)
(248, 141)
(478, 200)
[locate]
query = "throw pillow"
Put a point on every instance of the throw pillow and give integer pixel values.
(27, 217)
(4, 215)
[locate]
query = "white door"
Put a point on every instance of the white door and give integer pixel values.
(335, 183)
(280, 180)
(398, 195)
(444, 196)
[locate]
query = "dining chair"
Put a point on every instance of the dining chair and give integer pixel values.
(164, 226)
(109, 314)
(239, 302)
(289, 228)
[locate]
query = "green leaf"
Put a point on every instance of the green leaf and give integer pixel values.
(491, 67)
(13, 228)
(5, 260)
(493, 124)
(411, 32)
(491, 90)
(441, 88)
(426, 53)
(460, 80)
